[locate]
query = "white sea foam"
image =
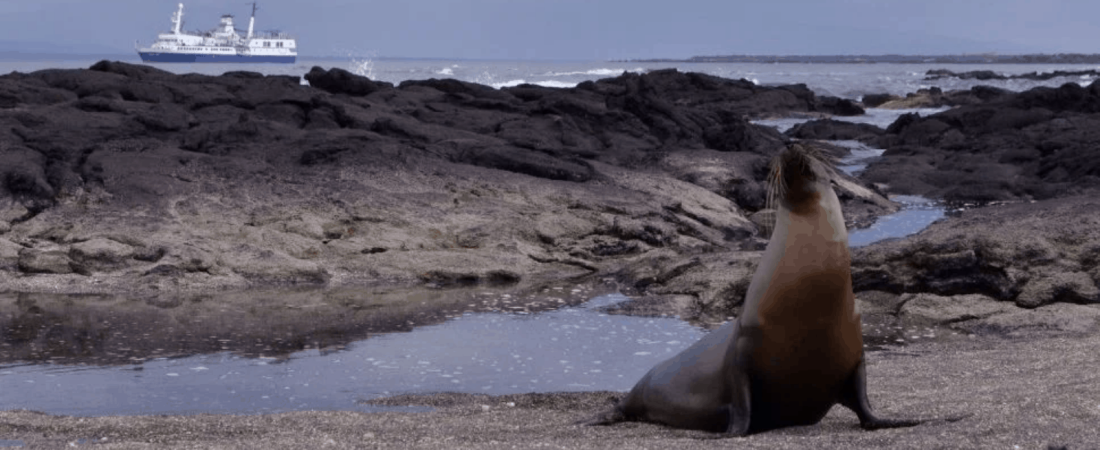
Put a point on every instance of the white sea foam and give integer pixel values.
(601, 72)
(362, 67)
(544, 83)
(360, 63)
(446, 71)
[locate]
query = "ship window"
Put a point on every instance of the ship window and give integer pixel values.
(267, 44)
(278, 44)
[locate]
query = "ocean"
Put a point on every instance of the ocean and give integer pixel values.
(840, 80)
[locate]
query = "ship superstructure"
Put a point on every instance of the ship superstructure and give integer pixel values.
(223, 44)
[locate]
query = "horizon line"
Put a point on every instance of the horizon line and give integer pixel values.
(689, 59)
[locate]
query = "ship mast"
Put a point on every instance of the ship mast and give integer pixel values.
(252, 20)
(177, 20)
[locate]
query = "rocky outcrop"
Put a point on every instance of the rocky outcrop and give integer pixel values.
(828, 129)
(939, 74)
(126, 177)
(1027, 266)
(48, 260)
(1032, 254)
(979, 315)
(1017, 270)
(935, 97)
(1036, 144)
(100, 255)
(340, 81)
(9, 255)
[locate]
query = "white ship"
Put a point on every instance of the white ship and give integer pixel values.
(223, 44)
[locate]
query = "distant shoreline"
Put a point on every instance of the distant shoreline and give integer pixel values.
(980, 58)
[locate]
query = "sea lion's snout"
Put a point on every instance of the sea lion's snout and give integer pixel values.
(799, 175)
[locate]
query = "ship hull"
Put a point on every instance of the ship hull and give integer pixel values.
(164, 57)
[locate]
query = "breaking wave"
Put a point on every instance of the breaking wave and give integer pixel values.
(601, 72)
(543, 83)
(447, 71)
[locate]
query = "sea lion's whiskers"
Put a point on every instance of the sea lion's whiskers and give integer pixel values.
(800, 159)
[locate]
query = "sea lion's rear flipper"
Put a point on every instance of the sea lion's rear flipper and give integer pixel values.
(854, 397)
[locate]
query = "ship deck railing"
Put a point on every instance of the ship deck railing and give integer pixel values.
(223, 45)
(271, 36)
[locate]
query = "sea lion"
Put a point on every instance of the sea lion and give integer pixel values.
(797, 347)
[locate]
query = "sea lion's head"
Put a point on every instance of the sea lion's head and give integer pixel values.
(800, 175)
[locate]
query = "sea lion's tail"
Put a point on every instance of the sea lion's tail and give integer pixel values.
(607, 417)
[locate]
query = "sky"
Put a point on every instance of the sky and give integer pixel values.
(576, 29)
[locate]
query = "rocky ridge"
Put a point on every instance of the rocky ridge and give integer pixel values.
(1025, 260)
(1036, 144)
(125, 178)
(939, 74)
(128, 178)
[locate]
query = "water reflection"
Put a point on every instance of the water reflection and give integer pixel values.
(570, 349)
(120, 329)
(878, 117)
(301, 350)
(858, 157)
(517, 349)
(917, 213)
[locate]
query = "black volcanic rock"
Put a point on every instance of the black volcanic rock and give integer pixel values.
(527, 162)
(939, 74)
(132, 71)
(839, 106)
(1030, 254)
(874, 100)
(340, 81)
(936, 74)
(17, 90)
(242, 179)
(1069, 97)
(1036, 144)
(126, 178)
(834, 130)
(935, 97)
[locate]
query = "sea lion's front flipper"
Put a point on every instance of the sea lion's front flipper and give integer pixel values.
(855, 398)
(740, 406)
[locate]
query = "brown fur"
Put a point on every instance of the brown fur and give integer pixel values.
(797, 348)
(804, 164)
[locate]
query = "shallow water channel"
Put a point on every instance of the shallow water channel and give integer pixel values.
(878, 117)
(545, 349)
(574, 348)
(570, 349)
